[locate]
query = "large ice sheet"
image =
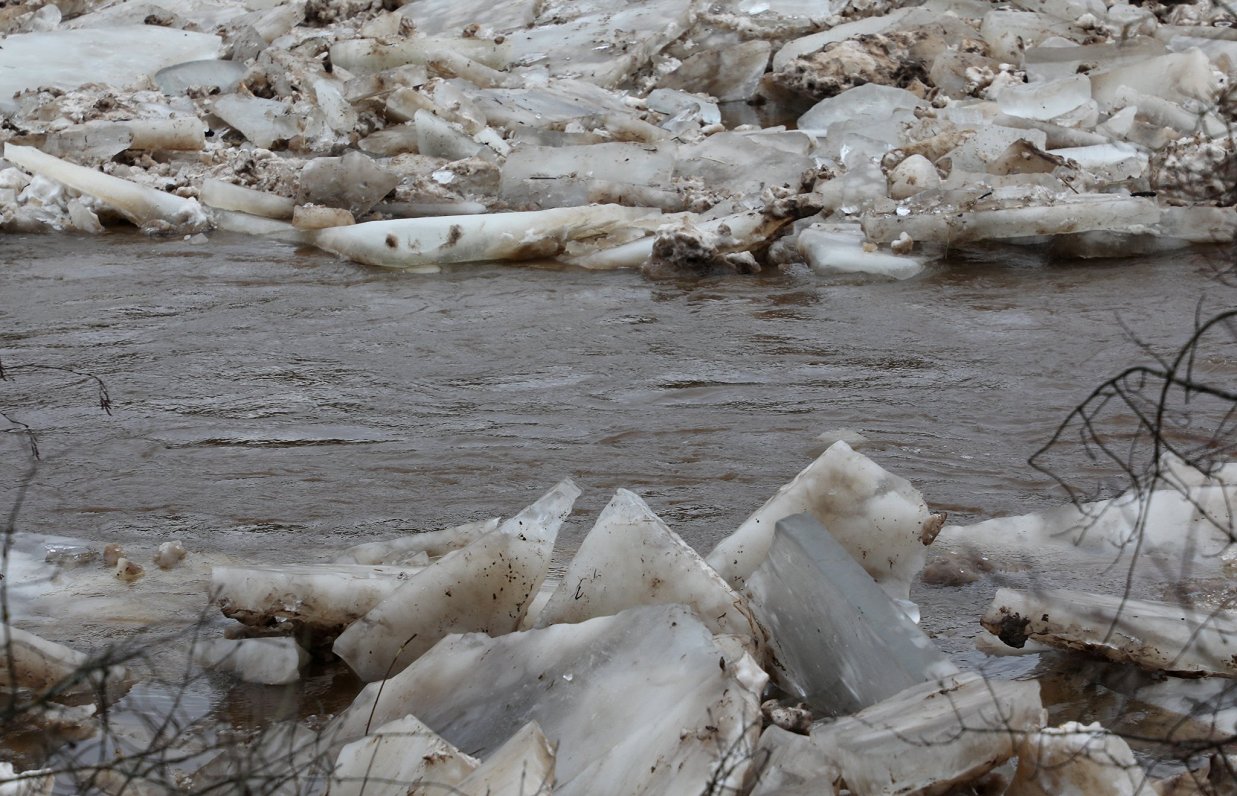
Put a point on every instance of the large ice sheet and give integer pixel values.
(116, 56)
(485, 586)
(1183, 641)
(840, 643)
(641, 702)
(632, 558)
(878, 517)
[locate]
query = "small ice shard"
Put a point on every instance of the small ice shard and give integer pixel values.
(837, 248)
(630, 558)
(932, 735)
(70, 555)
(396, 757)
(913, 175)
(226, 196)
(1158, 636)
(657, 669)
(222, 76)
(485, 587)
(39, 782)
(424, 243)
(793, 765)
(1076, 760)
(170, 554)
(145, 207)
(173, 134)
(432, 543)
(311, 217)
(128, 571)
(523, 766)
(269, 661)
(262, 121)
(840, 642)
(879, 518)
(38, 664)
(116, 56)
(729, 74)
(319, 601)
(561, 176)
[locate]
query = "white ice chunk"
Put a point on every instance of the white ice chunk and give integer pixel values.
(726, 73)
(794, 766)
(117, 56)
(835, 248)
(1176, 77)
(641, 702)
(1045, 100)
(881, 520)
(1159, 636)
(631, 558)
(989, 143)
(207, 74)
(485, 587)
(38, 664)
(877, 23)
(262, 121)
(913, 175)
(523, 766)
(432, 543)
(269, 661)
(840, 643)
(869, 103)
(932, 735)
(1113, 162)
(370, 55)
(226, 196)
(397, 756)
(1076, 760)
(561, 176)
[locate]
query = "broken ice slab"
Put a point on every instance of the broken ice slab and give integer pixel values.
(1076, 760)
(790, 764)
(485, 587)
(319, 601)
(523, 766)
(1009, 33)
(631, 558)
(436, 17)
(116, 56)
(395, 757)
(840, 642)
(1044, 100)
(729, 74)
(932, 735)
(1110, 162)
(38, 664)
(988, 143)
(679, 712)
(361, 56)
(268, 661)
(1176, 77)
(210, 75)
(869, 103)
(432, 543)
(262, 121)
(561, 176)
(863, 26)
(1180, 641)
(832, 249)
(552, 104)
(1067, 214)
(878, 517)
(226, 196)
(439, 138)
(746, 164)
(353, 182)
(423, 244)
(145, 207)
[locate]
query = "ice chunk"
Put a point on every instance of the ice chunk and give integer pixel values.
(1045, 100)
(841, 644)
(1113, 162)
(679, 713)
(878, 517)
(840, 248)
(1076, 760)
(727, 74)
(437, 17)
(38, 664)
(485, 586)
(561, 176)
(146, 207)
(26, 783)
(226, 196)
(262, 121)
(318, 600)
(932, 735)
(555, 103)
(706, 240)
(913, 175)
(1176, 77)
(523, 766)
(1010, 33)
(220, 76)
(268, 661)
(631, 558)
(794, 765)
(745, 164)
(989, 143)
(312, 217)
(370, 55)
(353, 182)
(848, 30)
(170, 554)
(424, 243)
(116, 56)
(868, 103)
(431, 543)
(682, 105)
(397, 756)
(1159, 636)
(90, 142)
(437, 137)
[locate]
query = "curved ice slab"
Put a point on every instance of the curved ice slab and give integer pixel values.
(632, 558)
(641, 702)
(486, 586)
(878, 517)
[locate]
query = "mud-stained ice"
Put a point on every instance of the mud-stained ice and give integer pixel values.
(1076, 760)
(678, 710)
(486, 586)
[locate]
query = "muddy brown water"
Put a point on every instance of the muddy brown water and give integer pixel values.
(277, 404)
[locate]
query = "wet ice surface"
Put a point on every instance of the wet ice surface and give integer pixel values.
(275, 405)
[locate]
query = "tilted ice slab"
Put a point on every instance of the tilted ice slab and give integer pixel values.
(394, 757)
(432, 543)
(641, 702)
(1076, 760)
(421, 244)
(486, 586)
(933, 735)
(840, 643)
(1153, 635)
(114, 56)
(632, 558)
(878, 517)
(142, 205)
(523, 766)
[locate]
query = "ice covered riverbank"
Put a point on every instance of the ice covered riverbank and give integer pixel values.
(631, 137)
